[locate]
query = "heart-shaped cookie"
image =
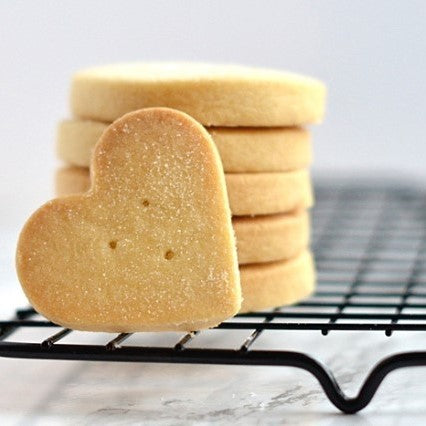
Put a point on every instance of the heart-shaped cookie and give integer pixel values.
(150, 246)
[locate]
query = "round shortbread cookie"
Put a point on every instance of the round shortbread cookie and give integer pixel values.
(269, 285)
(249, 194)
(271, 237)
(71, 180)
(268, 193)
(215, 95)
(241, 149)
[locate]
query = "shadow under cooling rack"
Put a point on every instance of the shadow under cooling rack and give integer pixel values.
(369, 242)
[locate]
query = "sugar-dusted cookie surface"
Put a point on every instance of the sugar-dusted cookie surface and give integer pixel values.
(215, 95)
(149, 247)
(249, 193)
(263, 238)
(241, 149)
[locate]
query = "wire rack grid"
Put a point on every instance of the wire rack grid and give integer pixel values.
(369, 242)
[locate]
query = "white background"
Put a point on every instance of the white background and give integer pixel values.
(372, 56)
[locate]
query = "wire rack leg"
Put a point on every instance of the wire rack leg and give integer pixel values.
(371, 384)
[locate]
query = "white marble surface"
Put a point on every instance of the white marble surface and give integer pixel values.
(36, 392)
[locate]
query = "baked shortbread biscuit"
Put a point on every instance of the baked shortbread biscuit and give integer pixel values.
(271, 237)
(273, 149)
(249, 193)
(268, 285)
(215, 95)
(242, 149)
(149, 247)
(268, 193)
(262, 238)
(71, 180)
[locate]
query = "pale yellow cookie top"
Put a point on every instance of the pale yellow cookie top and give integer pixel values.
(219, 95)
(169, 72)
(150, 246)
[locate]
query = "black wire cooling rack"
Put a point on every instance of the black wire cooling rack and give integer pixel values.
(370, 247)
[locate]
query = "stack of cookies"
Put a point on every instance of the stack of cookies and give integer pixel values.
(256, 120)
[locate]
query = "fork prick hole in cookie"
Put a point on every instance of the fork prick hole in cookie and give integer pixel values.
(113, 244)
(145, 203)
(169, 255)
